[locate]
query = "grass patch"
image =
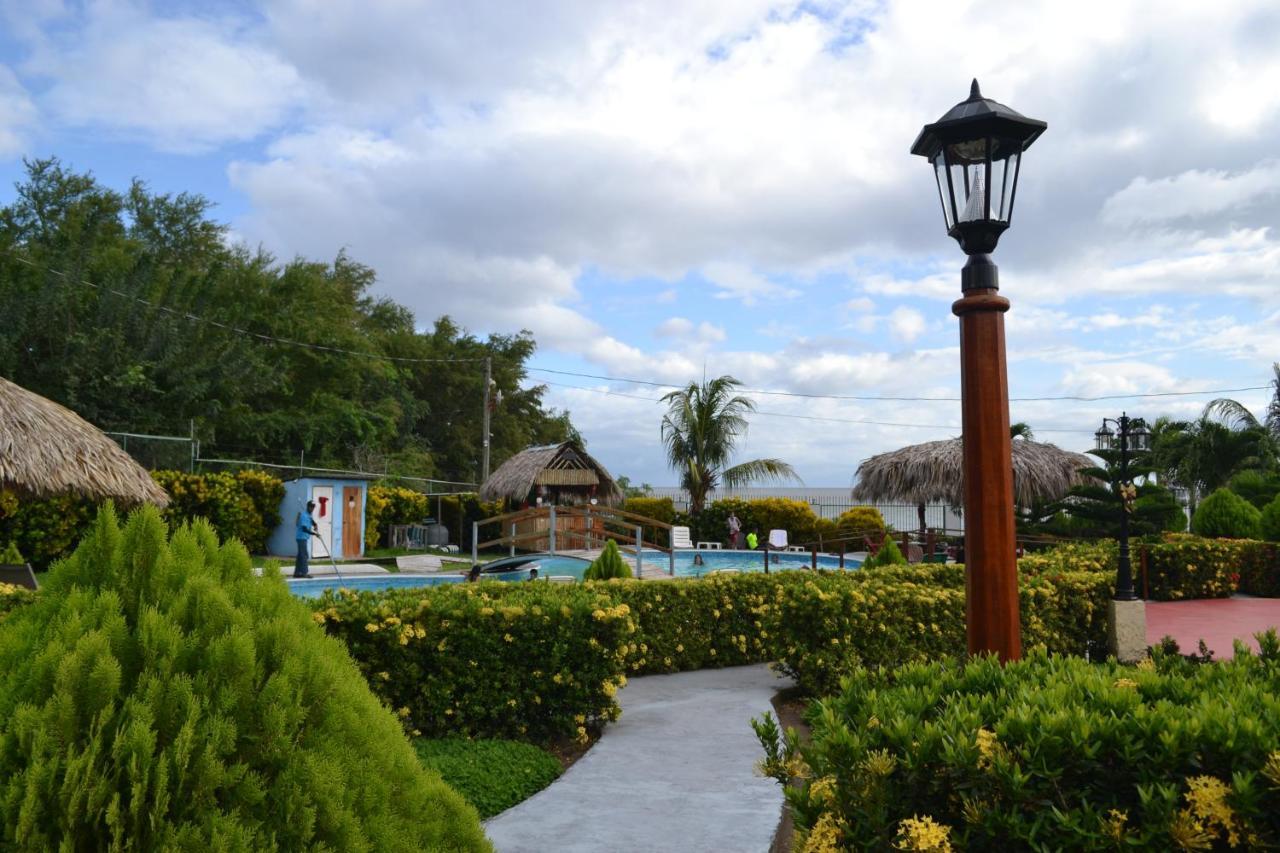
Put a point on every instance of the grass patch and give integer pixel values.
(493, 775)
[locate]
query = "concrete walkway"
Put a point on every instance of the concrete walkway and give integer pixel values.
(1217, 621)
(674, 774)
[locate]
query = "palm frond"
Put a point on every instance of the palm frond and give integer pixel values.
(759, 471)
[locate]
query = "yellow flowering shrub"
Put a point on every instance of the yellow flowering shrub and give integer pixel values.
(490, 659)
(972, 754)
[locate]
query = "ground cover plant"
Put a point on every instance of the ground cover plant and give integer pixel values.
(157, 696)
(493, 775)
(1048, 753)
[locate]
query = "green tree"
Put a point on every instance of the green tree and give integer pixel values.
(1093, 509)
(1021, 430)
(1225, 514)
(702, 427)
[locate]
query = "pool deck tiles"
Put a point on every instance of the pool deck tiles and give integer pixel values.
(1218, 621)
(675, 774)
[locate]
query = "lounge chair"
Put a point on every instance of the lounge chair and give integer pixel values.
(561, 579)
(680, 538)
(18, 575)
(708, 546)
(777, 540)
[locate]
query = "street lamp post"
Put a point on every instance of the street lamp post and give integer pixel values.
(1130, 434)
(976, 152)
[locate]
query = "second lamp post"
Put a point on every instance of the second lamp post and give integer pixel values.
(1131, 434)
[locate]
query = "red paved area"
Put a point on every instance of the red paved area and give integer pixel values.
(1217, 621)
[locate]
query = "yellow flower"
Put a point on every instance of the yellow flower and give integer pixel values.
(679, 647)
(403, 712)
(874, 722)
(825, 835)
(511, 702)
(987, 746)
(508, 638)
(923, 834)
(1146, 665)
(558, 678)
(385, 676)
(318, 617)
(1116, 819)
(1207, 805)
(1125, 683)
(372, 627)
(823, 790)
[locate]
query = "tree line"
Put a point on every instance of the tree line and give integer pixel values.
(96, 289)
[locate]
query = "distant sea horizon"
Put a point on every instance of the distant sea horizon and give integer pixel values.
(827, 502)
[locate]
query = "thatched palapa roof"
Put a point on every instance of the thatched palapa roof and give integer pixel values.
(563, 466)
(47, 449)
(934, 472)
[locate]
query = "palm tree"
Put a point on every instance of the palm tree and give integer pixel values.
(1273, 407)
(1021, 429)
(1203, 454)
(700, 430)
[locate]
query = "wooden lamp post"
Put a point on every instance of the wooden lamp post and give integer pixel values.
(976, 152)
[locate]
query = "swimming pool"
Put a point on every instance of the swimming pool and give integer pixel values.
(743, 561)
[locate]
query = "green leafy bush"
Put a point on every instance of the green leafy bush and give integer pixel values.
(11, 556)
(608, 565)
(13, 597)
(157, 696)
(1185, 566)
(763, 515)
(388, 505)
(45, 529)
(1050, 753)
(861, 520)
(244, 505)
(1269, 521)
(492, 659)
(492, 775)
(659, 509)
(1260, 569)
(1257, 488)
(1225, 514)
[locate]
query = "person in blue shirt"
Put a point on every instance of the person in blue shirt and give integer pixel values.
(306, 528)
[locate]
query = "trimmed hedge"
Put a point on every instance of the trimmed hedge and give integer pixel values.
(388, 505)
(157, 696)
(491, 659)
(535, 660)
(46, 529)
(1050, 753)
(244, 505)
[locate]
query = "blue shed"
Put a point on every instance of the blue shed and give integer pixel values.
(339, 514)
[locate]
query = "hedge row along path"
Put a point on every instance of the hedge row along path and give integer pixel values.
(675, 773)
(1217, 621)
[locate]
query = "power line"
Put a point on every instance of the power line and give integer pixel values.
(186, 315)
(891, 399)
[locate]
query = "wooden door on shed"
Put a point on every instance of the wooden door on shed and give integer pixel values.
(352, 514)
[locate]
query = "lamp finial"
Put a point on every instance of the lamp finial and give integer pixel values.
(975, 94)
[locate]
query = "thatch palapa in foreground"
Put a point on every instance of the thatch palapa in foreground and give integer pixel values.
(47, 449)
(561, 473)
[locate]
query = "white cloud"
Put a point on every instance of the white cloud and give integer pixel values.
(734, 281)
(674, 327)
(17, 114)
(1118, 378)
(179, 83)
(1191, 193)
(907, 324)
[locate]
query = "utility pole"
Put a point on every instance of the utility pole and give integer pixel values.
(488, 380)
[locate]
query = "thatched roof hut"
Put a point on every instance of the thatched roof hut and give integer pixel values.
(564, 473)
(47, 449)
(934, 471)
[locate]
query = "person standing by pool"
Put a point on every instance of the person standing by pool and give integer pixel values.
(305, 529)
(735, 529)
(753, 540)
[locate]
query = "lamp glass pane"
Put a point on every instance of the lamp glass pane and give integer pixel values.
(940, 173)
(1002, 187)
(970, 182)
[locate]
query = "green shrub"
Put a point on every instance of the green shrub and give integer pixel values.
(11, 556)
(13, 597)
(244, 505)
(608, 565)
(1257, 488)
(861, 521)
(888, 555)
(1227, 515)
(1050, 753)
(492, 659)
(1259, 565)
(1185, 567)
(492, 775)
(1269, 521)
(157, 696)
(45, 529)
(659, 509)
(763, 515)
(388, 505)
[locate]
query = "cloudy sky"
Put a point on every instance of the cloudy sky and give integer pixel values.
(662, 189)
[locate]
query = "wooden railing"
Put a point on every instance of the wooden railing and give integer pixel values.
(572, 528)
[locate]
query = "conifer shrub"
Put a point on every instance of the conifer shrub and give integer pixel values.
(889, 554)
(608, 565)
(1226, 514)
(11, 556)
(157, 696)
(1048, 753)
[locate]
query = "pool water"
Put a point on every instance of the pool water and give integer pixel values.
(743, 561)
(550, 565)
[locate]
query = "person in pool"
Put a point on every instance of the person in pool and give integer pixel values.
(697, 560)
(474, 574)
(533, 574)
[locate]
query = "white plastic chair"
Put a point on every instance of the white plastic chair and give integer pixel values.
(778, 540)
(680, 538)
